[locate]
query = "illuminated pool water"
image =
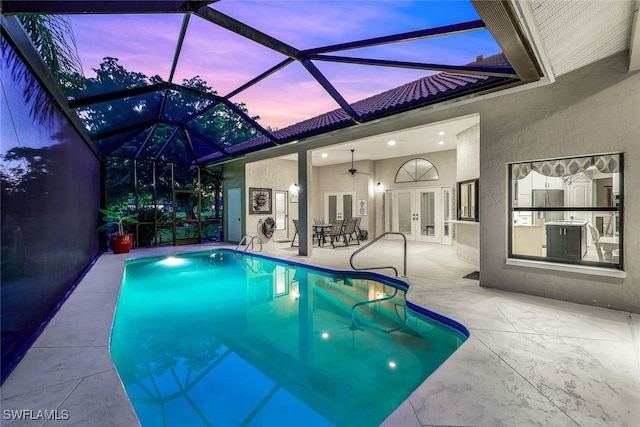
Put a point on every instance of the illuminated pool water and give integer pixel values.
(210, 339)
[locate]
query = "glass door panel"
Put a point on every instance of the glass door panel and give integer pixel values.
(389, 203)
(332, 206)
(347, 206)
(446, 215)
(406, 216)
(280, 210)
(428, 215)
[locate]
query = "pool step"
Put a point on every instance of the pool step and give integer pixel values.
(345, 299)
(356, 290)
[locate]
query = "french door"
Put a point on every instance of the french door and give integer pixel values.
(338, 205)
(417, 213)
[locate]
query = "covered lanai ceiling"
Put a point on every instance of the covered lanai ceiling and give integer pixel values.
(203, 81)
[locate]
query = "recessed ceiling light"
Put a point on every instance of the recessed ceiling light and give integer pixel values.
(324, 155)
(392, 142)
(441, 142)
(441, 133)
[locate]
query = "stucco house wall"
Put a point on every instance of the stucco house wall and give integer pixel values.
(595, 109)
(278, 175)
(336, 178)
(467, 235)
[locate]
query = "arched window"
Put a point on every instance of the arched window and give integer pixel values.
(416, 170)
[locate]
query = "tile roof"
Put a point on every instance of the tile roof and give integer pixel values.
(427, 90)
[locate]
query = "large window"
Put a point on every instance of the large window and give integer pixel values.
(568, 210)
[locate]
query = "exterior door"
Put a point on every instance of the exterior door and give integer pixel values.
(447, 216)
(338, 206)
(389, 203)
(406, 214)
(417, 214)
(429, 218)
(281, 214)
(233, 210)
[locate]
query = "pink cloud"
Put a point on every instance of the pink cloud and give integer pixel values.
(146, 43)
(142, 43)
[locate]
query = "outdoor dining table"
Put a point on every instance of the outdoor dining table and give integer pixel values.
(319, 230)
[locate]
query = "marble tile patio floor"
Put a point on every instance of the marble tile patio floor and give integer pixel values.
(529, 361)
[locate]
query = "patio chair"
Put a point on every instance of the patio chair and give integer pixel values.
(317, 235)
(295, 225)
(350, 230)
(336, 232)
(357, 232)
(595, 237)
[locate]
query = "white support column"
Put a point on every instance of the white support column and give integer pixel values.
(304, 224)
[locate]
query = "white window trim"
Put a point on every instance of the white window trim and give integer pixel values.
(570, 268)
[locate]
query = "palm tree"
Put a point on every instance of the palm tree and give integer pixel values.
(52, 36)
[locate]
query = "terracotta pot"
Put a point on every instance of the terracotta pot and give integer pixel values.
(121, 243)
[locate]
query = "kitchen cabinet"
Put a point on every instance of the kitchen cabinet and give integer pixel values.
(523, 193)
(566, 239)
(541, 182)
(580, 195)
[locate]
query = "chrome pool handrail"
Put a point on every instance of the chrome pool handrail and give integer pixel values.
(250, 242)
(382, 267)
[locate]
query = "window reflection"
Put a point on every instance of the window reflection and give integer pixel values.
(468, 200)
(568, 210)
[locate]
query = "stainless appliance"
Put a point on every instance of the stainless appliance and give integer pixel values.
(549, 199)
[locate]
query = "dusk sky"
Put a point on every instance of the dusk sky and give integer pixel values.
(146, 44)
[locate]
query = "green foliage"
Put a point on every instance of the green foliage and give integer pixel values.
(147, 213)
(117, 218)
(53, 37)
(207, 215)
(215, 126)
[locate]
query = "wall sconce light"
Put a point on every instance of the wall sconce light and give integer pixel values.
(379, 188)
(294, 189)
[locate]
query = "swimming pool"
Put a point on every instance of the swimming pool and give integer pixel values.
(210, 338)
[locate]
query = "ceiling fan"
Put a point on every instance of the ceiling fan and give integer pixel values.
(353, 171)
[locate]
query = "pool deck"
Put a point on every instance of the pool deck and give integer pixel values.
(529, 361)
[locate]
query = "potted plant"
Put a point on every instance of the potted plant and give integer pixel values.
(120, 242)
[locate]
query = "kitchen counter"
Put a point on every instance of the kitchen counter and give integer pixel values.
(567, 222)
(528, 240)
